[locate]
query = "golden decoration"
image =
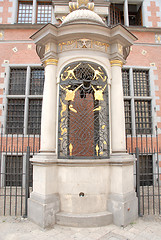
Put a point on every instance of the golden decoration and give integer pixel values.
(103, 127)
(101, 44)
(51, 61)
(66, 43)
(98, 73)
(116, 63)
(82, 2)
(70, 149)
(97, 149)
(98, 94)
(72, 109)
(70, 94)
(97, 109)
(105, 142)
(70, 73)
(64, 107)
(120, 48)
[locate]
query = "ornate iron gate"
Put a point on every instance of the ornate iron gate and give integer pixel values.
(83, 112)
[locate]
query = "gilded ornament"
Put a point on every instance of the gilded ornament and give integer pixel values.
(98, 94)
(70, 149)
(98, 73)
(82, 2)
(70, 94)
(70, 73)
(72, 109)
(97, 149)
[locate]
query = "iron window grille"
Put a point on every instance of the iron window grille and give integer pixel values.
(44, 12)
(25, 12)
(17, 81)
(141, 82)
(15, 116)
(36, 81)
(126, 82)
(128, 123)
(24, 99)
(137, 101)
(13, 170)
(143, 118)
(34, 116)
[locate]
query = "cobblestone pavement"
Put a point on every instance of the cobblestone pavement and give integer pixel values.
(12, 228)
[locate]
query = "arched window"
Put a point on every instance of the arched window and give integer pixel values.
(83, 112)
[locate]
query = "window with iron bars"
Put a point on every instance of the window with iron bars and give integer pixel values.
(137, 101)
(24, 100)
(40, 13)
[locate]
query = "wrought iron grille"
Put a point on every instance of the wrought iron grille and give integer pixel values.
(126, 84)
(128, 123)
(83, 112)
(17, 82)
(15, 116)
(44, 11)
(34, 117)
(141, 82)
(37, 81)
(25, 12)
(143, 117)
(13, 170)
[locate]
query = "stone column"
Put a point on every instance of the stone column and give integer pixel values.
(48, 119)
(43, 203)
(117, 108)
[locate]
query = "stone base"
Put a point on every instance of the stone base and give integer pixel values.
(124, 208)
(84, 220)
(42, 210)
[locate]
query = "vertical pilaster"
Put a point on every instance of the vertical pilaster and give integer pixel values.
(48, 119)
(117, 108)
(34, 11)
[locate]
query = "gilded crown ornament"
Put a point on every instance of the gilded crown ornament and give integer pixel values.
(82, 2)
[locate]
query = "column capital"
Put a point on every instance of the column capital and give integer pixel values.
(51, 61)
(116, 63)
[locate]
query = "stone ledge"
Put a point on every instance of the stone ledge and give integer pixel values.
(84, 220)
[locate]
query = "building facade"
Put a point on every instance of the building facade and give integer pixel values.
(22, 71)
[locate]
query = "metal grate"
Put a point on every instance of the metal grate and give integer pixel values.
(44, 12)
(143, 117)
(141, 83)
(17, 82)
(13, 170)
(34, 116)
(146, 170)
(15, 116)
(36, 81)
(115, 15)
(126, 82)
(25, 12)
(128, 123)
(83, 112)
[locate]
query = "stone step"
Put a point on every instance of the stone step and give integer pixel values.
(84, 220)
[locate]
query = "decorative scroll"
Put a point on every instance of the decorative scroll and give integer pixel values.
(83, 112)
(83, 43)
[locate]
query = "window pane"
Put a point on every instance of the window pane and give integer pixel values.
(17, 81)
(44, 11)
(126, 82)
(15, 116)
(141, 83)
(128, 126)
(13, 170)
(37, 81)
(25, 12)
(143, 118)
(34, 116)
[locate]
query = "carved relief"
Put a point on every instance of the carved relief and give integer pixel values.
(83, 43)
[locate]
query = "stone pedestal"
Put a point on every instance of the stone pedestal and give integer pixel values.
(122, 201)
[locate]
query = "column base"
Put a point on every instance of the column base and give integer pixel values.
(42, 209)
(124, 208)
